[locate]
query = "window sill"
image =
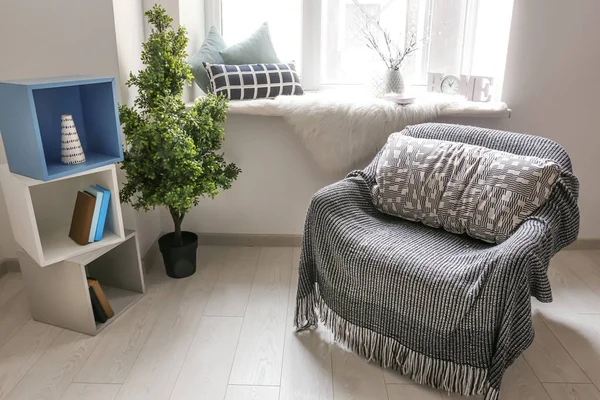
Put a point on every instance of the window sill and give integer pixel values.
(493, 109)
(458, 109)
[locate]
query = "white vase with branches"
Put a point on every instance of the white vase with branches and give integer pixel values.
(392, 51)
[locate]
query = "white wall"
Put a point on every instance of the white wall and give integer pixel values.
(551, 84)
(191, 16)
(171, 6)
(130, 33)
(271, 194)
(60, 38)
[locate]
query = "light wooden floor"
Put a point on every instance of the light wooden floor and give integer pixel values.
(226, 333)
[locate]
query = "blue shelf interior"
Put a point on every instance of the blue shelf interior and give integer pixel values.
(92, 160)
(93, 110)
(30, 121)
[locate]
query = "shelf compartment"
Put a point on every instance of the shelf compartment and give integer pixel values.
(120, 300)
(30, 112)
(59, 295)
(41, 213)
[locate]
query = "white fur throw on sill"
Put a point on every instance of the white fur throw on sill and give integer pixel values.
(342, 132)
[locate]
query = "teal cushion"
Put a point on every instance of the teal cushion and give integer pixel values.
(209, 52)
(257, 49)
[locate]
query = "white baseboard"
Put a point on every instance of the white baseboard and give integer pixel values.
(152, 256)
(249, 240)
(585, 244)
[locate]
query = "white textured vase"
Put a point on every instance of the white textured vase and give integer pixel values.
(71, 151)
(390, 81)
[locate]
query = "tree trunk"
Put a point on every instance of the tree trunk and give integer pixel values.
(177, 220)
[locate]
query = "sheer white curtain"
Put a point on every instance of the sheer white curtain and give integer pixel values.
(242, 17)
(456, 37)
(212, 15)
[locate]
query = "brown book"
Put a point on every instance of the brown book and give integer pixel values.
(82, 218)
(99, 314)
(95, 285)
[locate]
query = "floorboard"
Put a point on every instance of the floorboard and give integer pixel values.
(226, 334)
(157, 367)
(356, 379)
(567, 391)
(10, 285)
(87, 391)
(235, 392)
(22, 352)
(296, 258)
(548, 358)
(229, 297)
(520, 383)
(580, 335)
(120, 344)
(406, 392)
(306, 359)
(585, 264)
(259, 355)
(569, 292)
(54, 371)
(13, 315)
(207, 366)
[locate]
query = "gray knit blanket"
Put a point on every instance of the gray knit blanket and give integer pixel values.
(446, 310)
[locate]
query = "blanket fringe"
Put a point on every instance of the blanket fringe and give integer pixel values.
(463, 379)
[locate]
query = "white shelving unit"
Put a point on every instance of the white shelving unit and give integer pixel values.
(54, 267)
(41, 192)
(59, 294)
(41, 211)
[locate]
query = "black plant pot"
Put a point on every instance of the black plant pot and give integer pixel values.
(180, 261)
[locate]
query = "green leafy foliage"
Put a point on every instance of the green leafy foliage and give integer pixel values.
(172, 157)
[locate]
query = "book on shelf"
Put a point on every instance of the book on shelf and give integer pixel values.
(99, 314)
(103, 212)
(83, 213)
(98, 194)
(100, 305)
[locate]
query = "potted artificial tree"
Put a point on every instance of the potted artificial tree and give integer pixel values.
(172, 157)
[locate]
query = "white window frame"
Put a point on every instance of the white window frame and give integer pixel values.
(213, 15)
(312, 46)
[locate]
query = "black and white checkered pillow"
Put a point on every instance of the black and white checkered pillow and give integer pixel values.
(254, 81)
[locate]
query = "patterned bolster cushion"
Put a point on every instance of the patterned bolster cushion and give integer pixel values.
(459, 187)
(254, 81)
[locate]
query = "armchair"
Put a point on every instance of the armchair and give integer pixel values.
(447, 310)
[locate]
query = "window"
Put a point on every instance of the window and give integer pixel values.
(324, 36)
(345, 58)
(242, 17)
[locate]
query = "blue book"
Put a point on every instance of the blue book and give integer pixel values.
(98, 194)
(103, 212)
